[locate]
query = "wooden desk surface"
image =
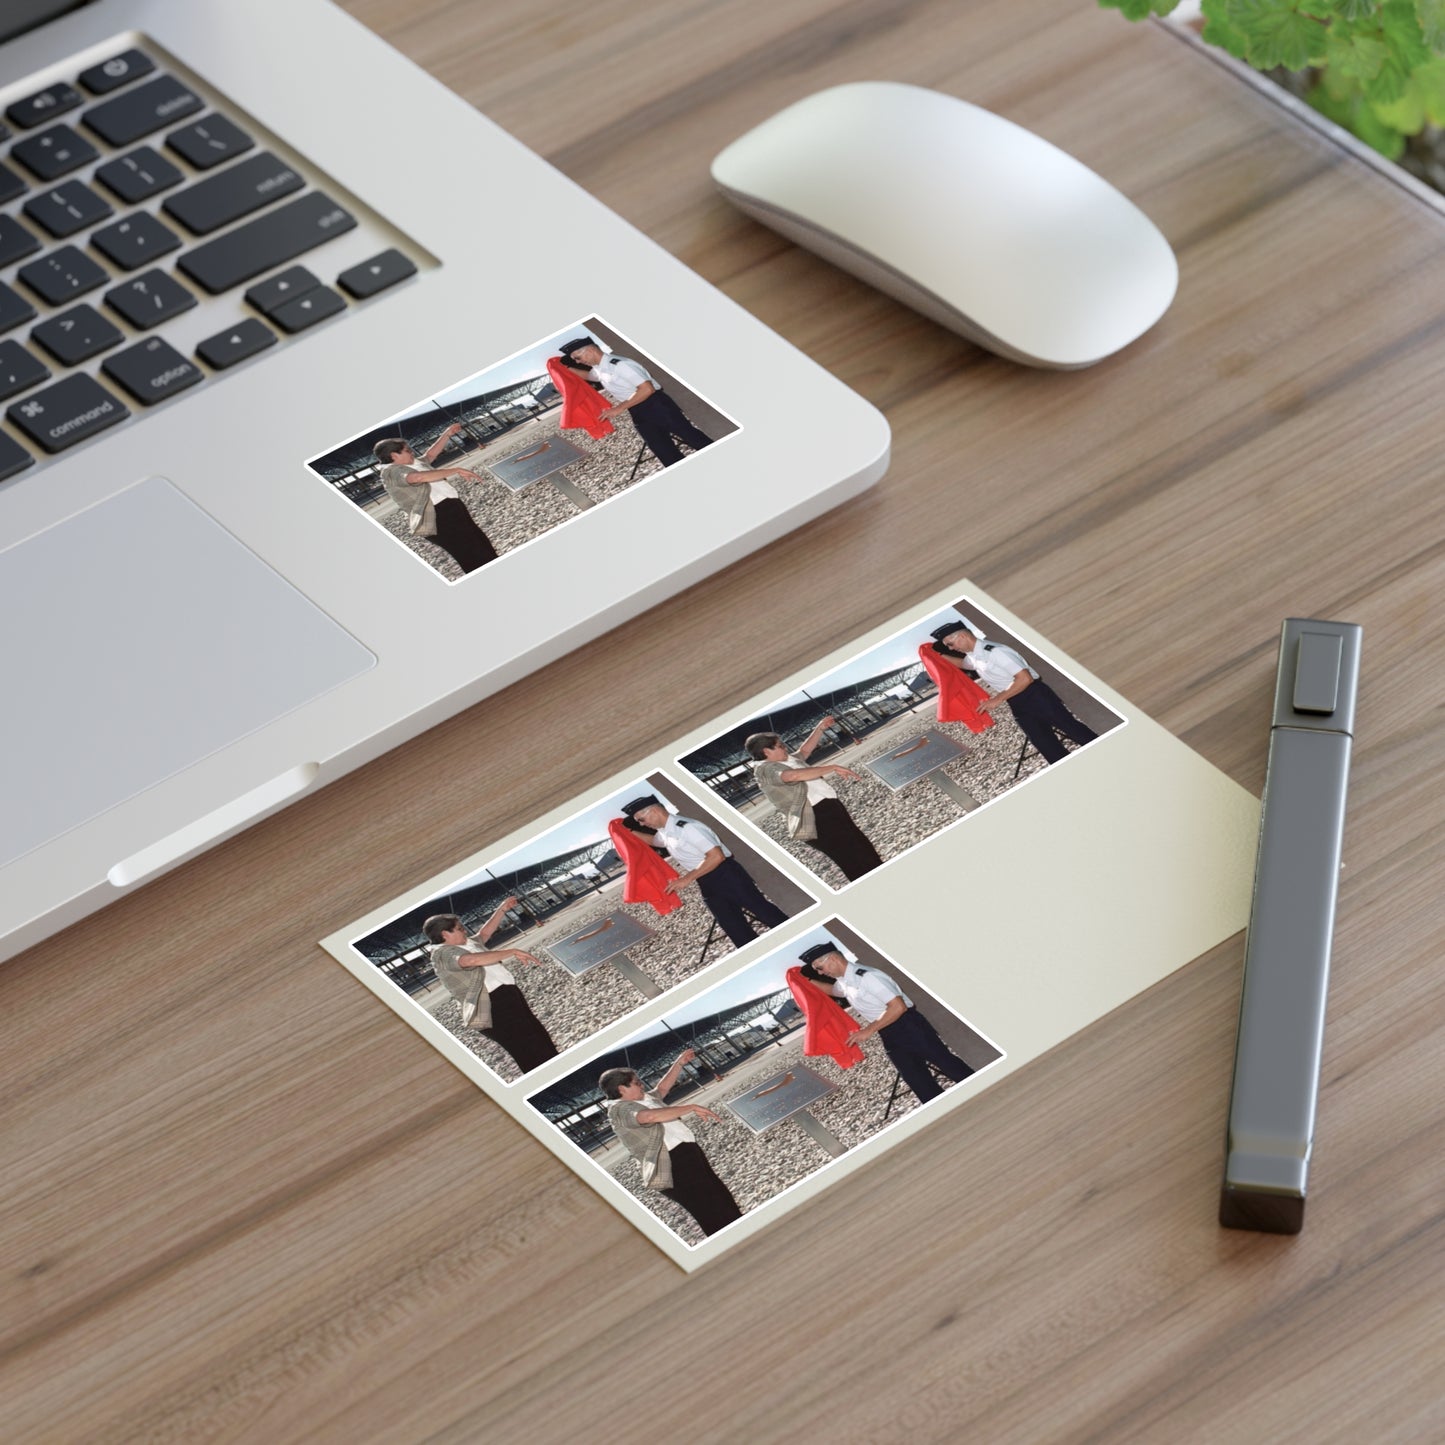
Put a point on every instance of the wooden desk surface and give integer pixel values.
(243, 1201)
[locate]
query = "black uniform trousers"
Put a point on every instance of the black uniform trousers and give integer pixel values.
(458, 533)
(699, 1190)
(659, 420)
(1041, 714)
(730, 895)
(517, 1029)
(912, 1043)
(842, 840)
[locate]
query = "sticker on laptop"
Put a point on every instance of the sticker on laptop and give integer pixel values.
(868, 760)
(733, 1098)
(547, 944)
(521, 447)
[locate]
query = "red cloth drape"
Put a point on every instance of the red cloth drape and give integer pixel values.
(581, 406)
(960, 698)
(826, 1027)
(647, 874)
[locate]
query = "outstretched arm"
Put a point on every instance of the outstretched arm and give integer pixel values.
(665, 1083)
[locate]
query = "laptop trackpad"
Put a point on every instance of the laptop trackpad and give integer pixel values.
(140, 637)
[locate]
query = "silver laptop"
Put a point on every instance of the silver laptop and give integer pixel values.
(326, 410)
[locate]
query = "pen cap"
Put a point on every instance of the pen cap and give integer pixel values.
(1318, 675)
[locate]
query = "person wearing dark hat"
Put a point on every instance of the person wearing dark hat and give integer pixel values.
(666, 1150)
(630, 388)
(909, 1040)
(477, 978)
(432, 507)
(699, 856)
(811, 810)
(1037, 708)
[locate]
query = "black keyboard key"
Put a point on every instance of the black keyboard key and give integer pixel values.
(307, 310)
(266, 242)
(73, 409)
(285, 286)
(62, 275)
(13, 457)
(138, 176)
(235, 344)
(140, 111)
(152, 370)
(44, 105)
(15, 241)
(220, 199)
(19, 369)
(135, 241)
(376, 274)
(77, 335)
(53, 153)
(119, 70)
(206, 143)
(10, 184)
(149, 299)
(14, 308)
(68, 208)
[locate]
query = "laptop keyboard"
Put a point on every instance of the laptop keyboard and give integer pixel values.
(130, 200)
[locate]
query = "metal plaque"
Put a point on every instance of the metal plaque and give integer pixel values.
(533, 463)
(915, 757)
(780, 1096)
(598, 941)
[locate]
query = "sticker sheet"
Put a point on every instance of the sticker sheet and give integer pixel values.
(718, 981)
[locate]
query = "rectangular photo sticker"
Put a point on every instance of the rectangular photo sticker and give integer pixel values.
(867, 760)
(521, 447)
(555, 940)
(717, 1110)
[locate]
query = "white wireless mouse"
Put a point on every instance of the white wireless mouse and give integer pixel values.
(974, 221)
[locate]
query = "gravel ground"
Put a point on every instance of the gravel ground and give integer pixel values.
(576, 1007)
(511, 518)
(758, 1167)
(894, 822)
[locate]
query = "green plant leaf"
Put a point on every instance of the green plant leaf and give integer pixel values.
(1357, 9)
(1219, 29)
(1358, 57)
(1376, 134)
(1360, 120)
(1276, 33)
(1431, 17)
(1406, 115)
(1139, 9)
(1428, 82)
(1402, 33)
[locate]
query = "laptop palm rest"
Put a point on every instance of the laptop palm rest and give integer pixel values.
(141, 637)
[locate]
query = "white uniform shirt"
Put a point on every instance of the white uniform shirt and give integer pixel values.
(867, 991)
(674, 1131)
(996, 665)
(818, 790)
(619, 376)
(494, 975)
(687, 841)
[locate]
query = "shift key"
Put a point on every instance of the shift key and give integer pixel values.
(266, 242)
(230, 194)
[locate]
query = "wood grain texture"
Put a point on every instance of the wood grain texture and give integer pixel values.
(242, 1201)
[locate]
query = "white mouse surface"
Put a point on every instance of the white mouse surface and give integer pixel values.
(971, 219)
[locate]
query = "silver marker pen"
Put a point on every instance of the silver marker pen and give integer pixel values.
(1291, 925)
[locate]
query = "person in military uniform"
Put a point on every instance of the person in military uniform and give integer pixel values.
(1036, 707)
(698, 854)
(631, 389)
(909, 1040)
